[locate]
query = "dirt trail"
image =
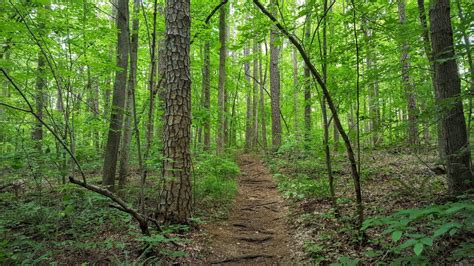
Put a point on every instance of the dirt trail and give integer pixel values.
(256, 231)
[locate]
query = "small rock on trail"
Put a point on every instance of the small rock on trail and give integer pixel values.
(256, 231)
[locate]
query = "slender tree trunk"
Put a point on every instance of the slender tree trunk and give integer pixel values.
(248, 96)
(151, 88)
(222, 77)
(176, 196)
(262, 104)
(275, 82)
(256, 51)
(206, 85)
(407, 84)
(132, 79)
(327, 151)
(372, 87)
(118, 101)
(295, 94)
(448, 85)
(37, 133)
(307, 88)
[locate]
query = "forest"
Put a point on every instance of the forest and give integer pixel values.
(240, 132)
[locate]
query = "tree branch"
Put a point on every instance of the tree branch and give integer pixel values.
(208, 18)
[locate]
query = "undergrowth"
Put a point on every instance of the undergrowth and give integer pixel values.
(71, 225)
(408, 221)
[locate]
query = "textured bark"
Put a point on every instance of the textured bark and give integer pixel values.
(262, 104)
(221, 86)
(206, 89)
(307, 88)
(448, 86)
(176, 196)
(37, 133)
(118, 101)
(132, 79)
(275, 83)
(248, 97)
(406, 83)
(256, 51)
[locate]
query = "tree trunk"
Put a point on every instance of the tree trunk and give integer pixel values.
(373, 91)
(307, 88)
(327, 151)
(295, 94)
(448, 86)
(118, 101)
(222, 76)
(132, 79)
(275, 83)
(37, 133)
(256, 51)
(206, 84)
(429, 55)
(151, 88)
(176, 196)
(406, 83)
(248, 96)
(262, 103)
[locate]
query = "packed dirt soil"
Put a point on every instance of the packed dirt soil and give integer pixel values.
(256, 231)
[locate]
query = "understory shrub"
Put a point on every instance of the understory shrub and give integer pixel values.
(214, 181)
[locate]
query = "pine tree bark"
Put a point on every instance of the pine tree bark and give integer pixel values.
(448, 86)
(221, 94)
(119, 94)
(132, 79)
(176, 196)
(275, 82)
(409, 89)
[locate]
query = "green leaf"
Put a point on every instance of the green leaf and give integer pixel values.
(445, 228)
(418, 248)
(396, 235)
(427, 241)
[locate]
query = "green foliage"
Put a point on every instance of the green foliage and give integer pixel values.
(36, 227)
(302, 187)
(437, 221)
(315, 251)
(214, 182)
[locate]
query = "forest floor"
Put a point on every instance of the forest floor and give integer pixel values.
(256, 230)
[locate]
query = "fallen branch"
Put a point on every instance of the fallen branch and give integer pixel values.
(142, 221)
